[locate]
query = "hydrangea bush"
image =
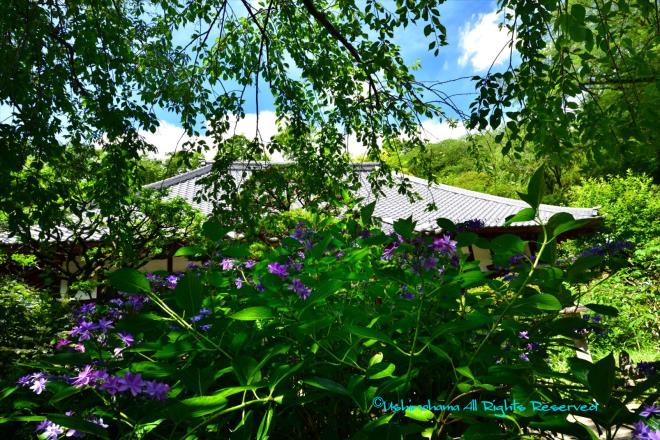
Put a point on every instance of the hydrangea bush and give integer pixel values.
(302, 342)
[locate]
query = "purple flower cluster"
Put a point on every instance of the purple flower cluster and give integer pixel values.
(170, 281)
(35, 381)
(444, 245)
(472, 225)
(278, 269)
(303, 235)
(647, 368)
(128, 383)
(609, 248)
(643, 432)
(201, 315)
(52, 431)
(406, 293)
(299, 288)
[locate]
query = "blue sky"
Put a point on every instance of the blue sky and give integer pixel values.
(474, 43)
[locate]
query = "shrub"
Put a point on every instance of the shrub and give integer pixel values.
(331, 334)
(27, 319)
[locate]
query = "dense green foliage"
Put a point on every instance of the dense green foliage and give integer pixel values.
(28, 318)
(630, 205)
(587, 83)
(319, 333)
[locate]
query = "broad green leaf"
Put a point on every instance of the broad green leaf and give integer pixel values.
(535, 189)
(419, 414)
(465, 371)
(253, 314)
(380, 371)
(542, 301)
(327, 385)
(214, 230)
(446, 225)
(189, 250)
(603, 309)
(601, 379)
(508, 244)
(368, 333)
(366, 212)
(129, 280)
(405, 227)
(189, 294)
(524, 215)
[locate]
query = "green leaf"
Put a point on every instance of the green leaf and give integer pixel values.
(524, 215)
(189, 294)
(601, 379)
(214, 230)
(582, 264)
(327, 385)
(366, 212)
(189, 250)
(253, 314)
(542, 301)
(368, 333)
(570, 226)
(419, 414)
(405, 227)
(603, 309)
(508, 244)
(465, 371)
(535, 189)
(380, 371)
(446, 224)
(129, 280)
(376, 359)
(578, 12)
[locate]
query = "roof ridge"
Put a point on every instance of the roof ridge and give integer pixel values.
(483, 196)
(235, 166)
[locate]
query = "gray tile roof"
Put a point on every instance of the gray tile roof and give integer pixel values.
(453, 203)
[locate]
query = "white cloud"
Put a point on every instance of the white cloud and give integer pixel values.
(433, 131)
(169, 137)
(482, 40)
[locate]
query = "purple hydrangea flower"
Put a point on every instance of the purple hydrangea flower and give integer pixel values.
(132, 383)
(117, 302)
(43, 425)
(523, 334)
(39, 385)
(84, 377)
(406, 294)
(239, 283)
(278, 269)
(126, 338)
(296, 266)
(156, 390)
(204, 327)
(298, 287)
(111, 385)
(260, 286)
(641, 431)
(532, 346)
(249, 264)
(85, 309)
(650, 410)
(195, 318)
(365, 234)
(98, 421)
(171, 281)
(516, 259)
(389, 251)
(430, 263)
(79, 348)
(192, 265)
(104, 325)
(470, 225)
(52, 431)
(204, 312)
(646, 368)
(227, 264)
(524, 357)
(596, 319)
(83, 330)
(61, 343)
(444, 245)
